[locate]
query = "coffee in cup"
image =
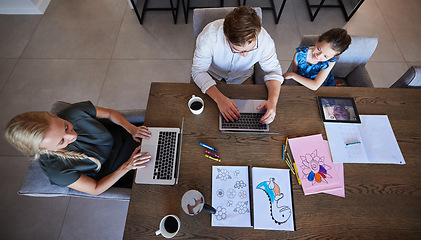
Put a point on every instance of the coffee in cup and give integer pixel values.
(169, 226)
(196, 105)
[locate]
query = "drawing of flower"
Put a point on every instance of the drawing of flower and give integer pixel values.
(242, 208)
(220, 193)
(231, 193)
(314, 168)
(221, 213)
(223, 174)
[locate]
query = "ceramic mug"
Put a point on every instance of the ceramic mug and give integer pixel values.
(196, 105)
(169, 226)
(193, 203)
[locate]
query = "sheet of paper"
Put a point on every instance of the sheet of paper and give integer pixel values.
(272, 200)
(340, 192)
(314, 164)
(379, 140)
(339, 134)
(231, 196)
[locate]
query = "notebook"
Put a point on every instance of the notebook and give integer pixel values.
(164, 146)
(314, 164)
(372, 141)
(248, 120)
(270, 190)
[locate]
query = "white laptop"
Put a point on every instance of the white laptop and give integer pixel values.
(164, 146)
(248, 120)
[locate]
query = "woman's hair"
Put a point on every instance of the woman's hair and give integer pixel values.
(242, 25)
(26, 131)
(338, 39)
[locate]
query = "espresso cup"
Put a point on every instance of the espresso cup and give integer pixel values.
(169, 226)
(196, 105)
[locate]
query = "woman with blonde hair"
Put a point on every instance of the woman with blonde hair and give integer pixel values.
(77, 149)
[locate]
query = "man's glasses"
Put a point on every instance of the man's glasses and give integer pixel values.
(234, 51)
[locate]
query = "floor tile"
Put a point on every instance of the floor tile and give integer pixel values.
(16, 31)
(6, 68)
(384, 74)
(413, 64)
(285, 34)
(326, 19)
(157, 38)
(77, 29)
(128, 81)
(25, 217)
(406, 33)
(35, 84)
(369, 21)
(94, 219)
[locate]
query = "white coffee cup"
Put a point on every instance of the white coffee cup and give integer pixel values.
(169, 226)
(196, 105)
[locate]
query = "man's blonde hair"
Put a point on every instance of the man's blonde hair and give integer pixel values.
(26, 131)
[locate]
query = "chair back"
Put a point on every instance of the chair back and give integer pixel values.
(203, 16)
(410, 79)
(358, 53)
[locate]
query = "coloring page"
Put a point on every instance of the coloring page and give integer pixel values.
(272, 200)
(314, 164)
(230, 196)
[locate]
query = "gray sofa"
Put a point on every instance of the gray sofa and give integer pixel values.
(37, 184)
(350, 68)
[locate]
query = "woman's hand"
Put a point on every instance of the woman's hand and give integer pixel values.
(137, 159)
(140, 132)
(270, 111)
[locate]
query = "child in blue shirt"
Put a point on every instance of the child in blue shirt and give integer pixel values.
(312, 65)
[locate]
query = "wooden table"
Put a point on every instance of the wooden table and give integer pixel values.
(382, 201)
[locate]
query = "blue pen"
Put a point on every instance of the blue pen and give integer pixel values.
(353, 143)
(208, 147)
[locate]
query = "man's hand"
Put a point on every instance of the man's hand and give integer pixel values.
(228, 109)
(270, 111)
(226, 106)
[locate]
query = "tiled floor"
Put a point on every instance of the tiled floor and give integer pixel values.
(97, 50)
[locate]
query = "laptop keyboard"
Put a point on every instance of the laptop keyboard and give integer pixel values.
(165, 156)
(249, 121)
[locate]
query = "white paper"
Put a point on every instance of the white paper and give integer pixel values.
(272, 200)
(338, 135)
(231, 196)
(378, 142)
(379, 139)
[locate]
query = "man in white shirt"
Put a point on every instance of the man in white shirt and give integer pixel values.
(227, 49)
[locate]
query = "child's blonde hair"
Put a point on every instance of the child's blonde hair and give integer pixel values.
(26, 131)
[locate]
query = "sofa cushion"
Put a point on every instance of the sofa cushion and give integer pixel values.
(37, 184)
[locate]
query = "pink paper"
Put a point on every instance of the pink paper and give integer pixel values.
(314, 164)
(340, 192)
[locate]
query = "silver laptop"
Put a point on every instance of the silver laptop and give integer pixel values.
(164, 146)
(248, 120)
